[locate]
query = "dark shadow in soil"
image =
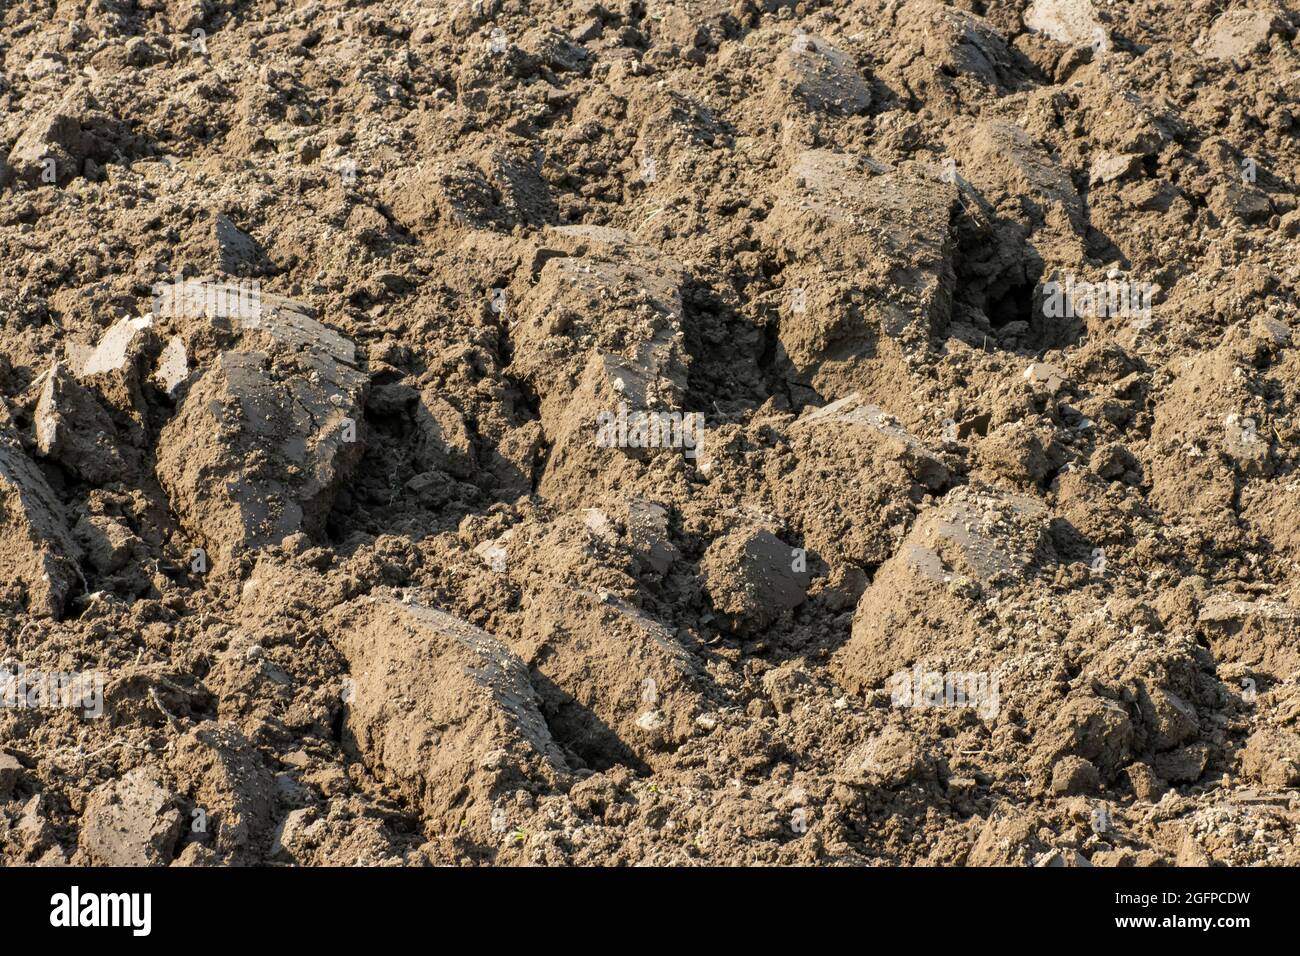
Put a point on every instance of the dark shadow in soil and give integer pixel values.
(726, 349)
(1014, 304)
(576, 729)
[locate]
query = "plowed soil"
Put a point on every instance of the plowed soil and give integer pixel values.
(650, 432)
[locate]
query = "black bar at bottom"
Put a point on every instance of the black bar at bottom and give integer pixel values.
(338, 906)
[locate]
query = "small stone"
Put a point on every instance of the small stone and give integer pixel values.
(1110, 167)
(1045, 375)
(1072, 22)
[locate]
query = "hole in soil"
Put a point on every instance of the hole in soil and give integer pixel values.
(771, 342)
(979, 425)
(338, 725)
(1016, 304)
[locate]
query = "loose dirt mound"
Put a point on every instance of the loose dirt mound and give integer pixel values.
(764, 431)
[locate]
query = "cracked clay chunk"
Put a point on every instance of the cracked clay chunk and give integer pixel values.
(923, 599)
(616, 685)
(851, 459)
(75, 430)
(822, 76)
(869, 248)
(441, 709)
(131, 822)
(265, 438)
(36, 550)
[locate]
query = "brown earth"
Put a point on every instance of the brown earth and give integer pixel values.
(641, 431)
